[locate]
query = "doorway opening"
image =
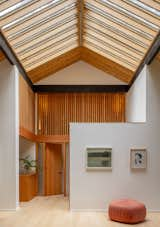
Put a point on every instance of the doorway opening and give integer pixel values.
(53, 163)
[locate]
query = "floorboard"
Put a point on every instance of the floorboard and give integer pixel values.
(54, 211)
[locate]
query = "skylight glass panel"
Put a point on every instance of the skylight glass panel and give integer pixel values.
(146, 7)
(138, 51)
(2, 1)
(128, 13)
(33, 13)
(120, 33)
(45, 31)
(107, 53)
(118, 21)
(15, 7)
(42, 21)
(46, 40)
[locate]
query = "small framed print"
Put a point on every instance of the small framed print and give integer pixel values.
(138, 159)
(98, 158)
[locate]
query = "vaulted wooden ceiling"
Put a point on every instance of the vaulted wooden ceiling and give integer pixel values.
(48, 35)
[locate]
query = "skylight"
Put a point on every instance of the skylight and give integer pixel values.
(42, 21)
(128, 13)
(15, 7)
(146, 7)
(118, 21)
(33, 13)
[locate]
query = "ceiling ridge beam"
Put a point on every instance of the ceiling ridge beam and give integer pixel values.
(80, 21)
(12, 57)
(148, 58)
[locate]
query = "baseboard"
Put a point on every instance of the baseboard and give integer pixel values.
(153, 211)
(8, 210)
(105, 210)
(89, 210)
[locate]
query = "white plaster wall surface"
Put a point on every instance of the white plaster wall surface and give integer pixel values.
(136, 100)
(90, 190)
(8, 136)
(80, 73)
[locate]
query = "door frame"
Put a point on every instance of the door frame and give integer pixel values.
(63, 145)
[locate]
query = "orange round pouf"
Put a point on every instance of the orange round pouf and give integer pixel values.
(127, 211)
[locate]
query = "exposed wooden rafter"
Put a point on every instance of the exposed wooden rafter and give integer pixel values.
(54, 65)
(80, 21)
(42, 37)
(106, 65)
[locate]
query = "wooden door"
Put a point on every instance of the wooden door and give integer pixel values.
(53, 169)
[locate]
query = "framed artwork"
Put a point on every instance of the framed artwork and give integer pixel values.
(98, 158)
(138, 159)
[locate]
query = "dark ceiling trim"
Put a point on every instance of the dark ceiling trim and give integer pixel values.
(148, 58)
(11, 56)
(80, 88)
(154, 55)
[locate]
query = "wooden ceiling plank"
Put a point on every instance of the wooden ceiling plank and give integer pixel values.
(117, 53)
(22, 12)
(54, 65)
(32, 14)
(8, 4)
(52, 56)
(40, 19)
(98, 50)
(47, 51)
(49, 37)
(115, 44)
(46, 44)
(80, 9)
(120, 28)
(151, 3)
(118, 37)
(143, 7)
(136, 12)
(122, 17)
(45, 28)
(114, 39)
(106, 65)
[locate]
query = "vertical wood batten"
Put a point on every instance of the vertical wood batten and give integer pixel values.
(57, 110)
(26, 106)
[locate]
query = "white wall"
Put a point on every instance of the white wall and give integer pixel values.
(94, 190)
(136, 100)
(9, 130)
(80, 73)
(26, 148)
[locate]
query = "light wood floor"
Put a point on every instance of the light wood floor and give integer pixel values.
(54, 212)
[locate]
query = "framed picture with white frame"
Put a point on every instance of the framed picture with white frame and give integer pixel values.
(138, 159)
(98, 158)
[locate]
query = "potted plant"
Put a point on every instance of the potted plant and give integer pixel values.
(28, 165)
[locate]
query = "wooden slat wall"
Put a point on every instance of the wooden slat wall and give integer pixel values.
(56, 111)
(26, 106)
